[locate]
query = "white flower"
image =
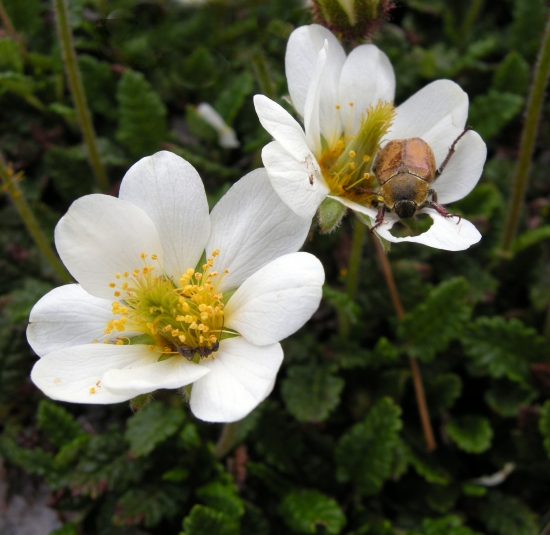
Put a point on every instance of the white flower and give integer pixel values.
(227, 137)
(159, 275)
(346, 104)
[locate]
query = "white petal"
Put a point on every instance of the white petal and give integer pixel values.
(277, 300)
(463, 170)
(303, 47)
(251, 226)
(367, 77)
(292, 180)
(74, 374)
(437, 113)
(100, 236)
(312, 110)
(132, 381)
(227, 136)
(68, 316)
(170, 191)
(283, 127)
(241, 377)
(444, 234)
(356, 207)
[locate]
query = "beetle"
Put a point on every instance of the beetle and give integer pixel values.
(405, 168)
(204, 351)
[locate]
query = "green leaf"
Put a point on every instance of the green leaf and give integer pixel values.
(506, 397)
(528, 26)
(10, 56)
(234, 95)
(331, 213)
(544, 425)
(442, 391)
(25, 16)
(206, 521)
(142, 115)
(485, 200)
(148, 504)
(472, 434)
(491, 112)
(506, 515)
(448, 525)
(531, 237)
(351, 355)
(377, 435)
(222, 497)
(21, 85)
(199, 69)
(512, 75)
(311, 392)
(67, 529)
(99, 85)
(427, 467)
(152, 425)
(501, 348)
(269, 477)
(342, 302)
(58, 424)
(304, 510)
(432, 324)
(20, 301)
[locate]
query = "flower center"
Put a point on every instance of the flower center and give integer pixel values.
(184, 317)
(347, 164)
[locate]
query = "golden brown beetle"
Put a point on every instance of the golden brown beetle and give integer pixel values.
(405, 169)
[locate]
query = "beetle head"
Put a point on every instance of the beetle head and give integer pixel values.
(405, 209)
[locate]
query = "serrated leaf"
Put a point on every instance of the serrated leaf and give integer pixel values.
(491, 112)
(501, 348)
(442, 391)
(58, 424)
(199, 68)
(99, 85)
(440, 318)
(304, 510)
(512, 75)
(507, 515)
(142, 115)
(311, 392)
(152, 425)
(351, 355)
(427, 467)
(544, 425)
(233, 96)
(472, 434)
(506, 397)
(221, 497)
(10, 56)
(342, 302)
(448, 525)
(206, 521)
(62, 165)
(330, 215)
(365, 453)
(528, 26)
(148, 504)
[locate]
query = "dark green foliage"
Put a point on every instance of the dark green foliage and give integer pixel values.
(442, 391)
(472, 434)
(448, 525)
(99, 85)
(152, 425)
(142, 115)
(365, 454)
(223, 498)
(305, 510)
(440, 318)
(503, 348)
(59, 426)
(311, 392)
(512, 75)
(544, 425)
(526, 31)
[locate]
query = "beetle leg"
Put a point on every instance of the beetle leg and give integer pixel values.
(450, 153)
(441, 210)
(379, 218)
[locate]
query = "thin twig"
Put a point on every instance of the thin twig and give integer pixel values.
(417, 377)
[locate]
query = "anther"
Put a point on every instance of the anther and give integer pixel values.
(351, 154)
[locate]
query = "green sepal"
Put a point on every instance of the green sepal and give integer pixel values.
(137, 403)
(330, 213)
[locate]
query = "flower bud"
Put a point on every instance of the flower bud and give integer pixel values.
(352, 20)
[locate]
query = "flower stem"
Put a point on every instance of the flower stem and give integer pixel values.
(227, 439)
(77, 90)
(528, 137)
(10, 186)
(352, 278)
(417, 378)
